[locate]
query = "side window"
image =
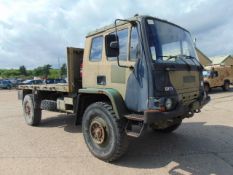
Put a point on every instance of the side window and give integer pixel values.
(96, 49)
(123, 44)
(134, 44)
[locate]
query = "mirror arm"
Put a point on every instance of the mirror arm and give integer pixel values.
(123, 66)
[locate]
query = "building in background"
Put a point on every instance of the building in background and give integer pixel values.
(226, 60)
(204, 60)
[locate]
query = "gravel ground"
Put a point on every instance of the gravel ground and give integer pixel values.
(202, 145)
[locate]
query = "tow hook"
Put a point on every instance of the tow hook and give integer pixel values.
(190, 114)
(197, 110)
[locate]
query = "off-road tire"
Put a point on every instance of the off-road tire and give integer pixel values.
(48, 105)
(168, 129)
(31, 114)
(207, 88)
(115, 143)
(226, 86)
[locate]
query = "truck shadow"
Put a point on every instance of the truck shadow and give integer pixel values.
(195, 148)
(62, 121)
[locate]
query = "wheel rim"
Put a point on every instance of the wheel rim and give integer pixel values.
(27, 109)
(97, 131)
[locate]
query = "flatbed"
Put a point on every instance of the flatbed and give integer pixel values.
(61, 87)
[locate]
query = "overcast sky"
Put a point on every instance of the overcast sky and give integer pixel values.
(34, 33)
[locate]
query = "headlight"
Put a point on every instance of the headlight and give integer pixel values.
(168, 103)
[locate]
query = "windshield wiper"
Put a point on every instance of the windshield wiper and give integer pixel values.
(176, 56)
(168, 57)
(192, 58)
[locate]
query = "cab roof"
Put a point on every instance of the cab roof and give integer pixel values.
(135, 18)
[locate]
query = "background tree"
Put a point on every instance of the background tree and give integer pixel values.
(46, 69)
(63, 70)
(43, 71)
(38, 71)
(22, 70)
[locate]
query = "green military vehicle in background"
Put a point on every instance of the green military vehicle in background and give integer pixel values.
(218, 76)
(133, 74)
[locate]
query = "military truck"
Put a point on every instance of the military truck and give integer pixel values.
(218, 76)
(136, 73)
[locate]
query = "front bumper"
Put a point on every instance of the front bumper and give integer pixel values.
(152, 116)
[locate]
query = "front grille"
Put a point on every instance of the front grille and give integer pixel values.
(188, 98)
(189, 79)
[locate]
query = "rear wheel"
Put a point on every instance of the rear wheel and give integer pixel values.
(226, 86)
(48, 105)
(32, 115)
(207, 88)
(104, 134)
(167, 129)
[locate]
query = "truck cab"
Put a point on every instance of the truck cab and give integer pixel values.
(155, 66)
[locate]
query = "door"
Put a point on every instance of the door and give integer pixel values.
(116, 76)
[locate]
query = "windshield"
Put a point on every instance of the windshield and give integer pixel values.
(206, 73)
(169, 43)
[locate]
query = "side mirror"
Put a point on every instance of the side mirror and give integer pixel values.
(111, 45)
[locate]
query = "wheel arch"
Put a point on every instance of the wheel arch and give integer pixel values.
(91, 95)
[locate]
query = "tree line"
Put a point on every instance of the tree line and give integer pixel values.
(45, 71)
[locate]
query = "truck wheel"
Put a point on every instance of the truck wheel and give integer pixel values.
(32, 115)
(168, 129)
(48, 105)
(104, 134)
(207, 88)
(226, 86)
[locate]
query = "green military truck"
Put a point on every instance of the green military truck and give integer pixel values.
(135, 73)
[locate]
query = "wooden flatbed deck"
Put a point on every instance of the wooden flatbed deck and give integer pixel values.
(61, 87)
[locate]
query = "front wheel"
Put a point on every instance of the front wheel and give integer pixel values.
(104, 134)
(226, 86)
(207, 88)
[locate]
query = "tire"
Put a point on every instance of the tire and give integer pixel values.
(103, 133)
(48, 105)
(168, 129)
(31, 114)
(207, 88)
(226, 86)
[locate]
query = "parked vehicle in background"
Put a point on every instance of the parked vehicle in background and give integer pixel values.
(5, 84)
(54, 81)
(31, 82)
(218, 76)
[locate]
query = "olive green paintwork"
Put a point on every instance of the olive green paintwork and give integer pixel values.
(118, 74)
(187, 84)
(116, 77)
(114, 96)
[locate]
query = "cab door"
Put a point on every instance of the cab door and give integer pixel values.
(117, 76)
